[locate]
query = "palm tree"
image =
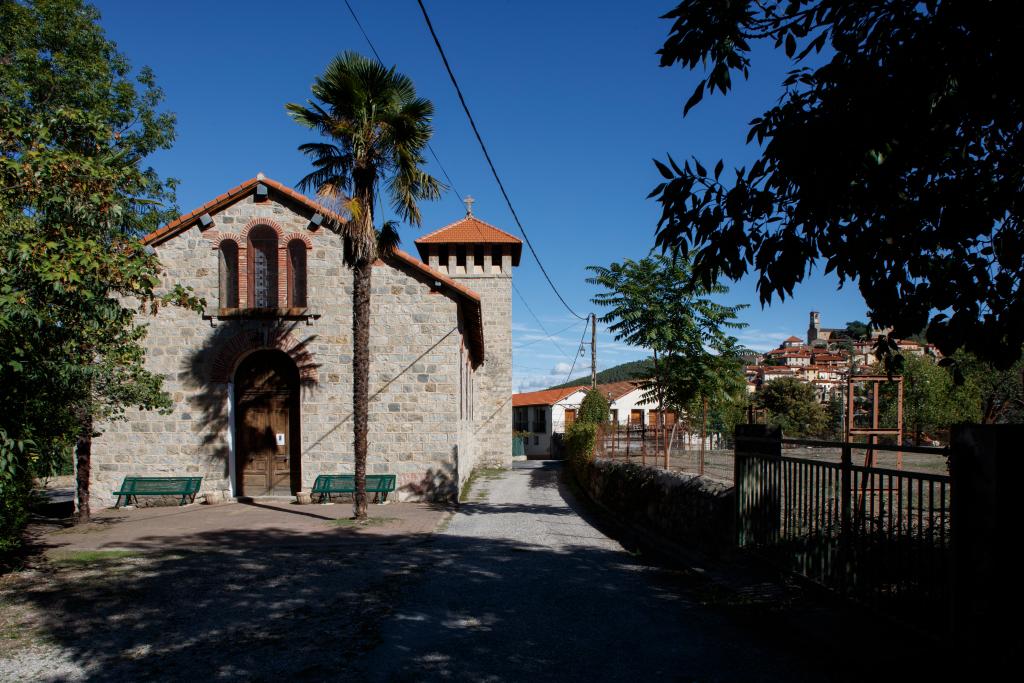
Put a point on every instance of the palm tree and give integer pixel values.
(378, 129)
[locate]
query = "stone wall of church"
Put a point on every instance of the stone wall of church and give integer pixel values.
(493, 385)
(416, 429)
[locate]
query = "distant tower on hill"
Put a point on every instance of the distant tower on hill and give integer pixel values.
(814, 328)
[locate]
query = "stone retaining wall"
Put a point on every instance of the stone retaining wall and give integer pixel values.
(688, 510)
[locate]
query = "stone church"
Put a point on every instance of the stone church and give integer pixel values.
(262, 382)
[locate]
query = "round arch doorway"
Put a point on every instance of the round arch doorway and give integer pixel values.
(267, 438)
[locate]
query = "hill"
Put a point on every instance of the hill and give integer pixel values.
(632, 370)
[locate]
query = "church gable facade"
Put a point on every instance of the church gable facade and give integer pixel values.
(261, 383)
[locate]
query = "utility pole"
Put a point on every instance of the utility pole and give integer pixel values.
(593, 350)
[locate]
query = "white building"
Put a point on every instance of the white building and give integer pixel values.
(543, 413)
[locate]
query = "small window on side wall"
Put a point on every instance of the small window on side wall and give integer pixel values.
(297, 274)
(228, 274)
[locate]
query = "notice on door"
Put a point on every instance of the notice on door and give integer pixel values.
(280, 439)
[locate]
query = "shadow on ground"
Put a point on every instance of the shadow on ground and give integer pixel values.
(274, 604)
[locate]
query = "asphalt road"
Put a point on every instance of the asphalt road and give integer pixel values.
(523, 588)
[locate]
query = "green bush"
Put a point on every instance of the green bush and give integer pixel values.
(580, 439)
(15, 489)
(593, 409)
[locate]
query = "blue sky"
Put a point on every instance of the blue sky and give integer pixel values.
(568, 96)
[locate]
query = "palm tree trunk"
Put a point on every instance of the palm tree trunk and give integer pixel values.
(361, 282)
(83, 467)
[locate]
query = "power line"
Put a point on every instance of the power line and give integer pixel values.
(523, 299)
(490, 163)
(535, 341)
(579, 352)
(381, 62)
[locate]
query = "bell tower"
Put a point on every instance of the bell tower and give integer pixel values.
(481, 257)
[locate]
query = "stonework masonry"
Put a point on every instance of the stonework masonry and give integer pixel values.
(417, 372)
(493, 418)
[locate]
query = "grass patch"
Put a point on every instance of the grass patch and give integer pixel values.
(350, 523)
(481, 473)
(79, 558)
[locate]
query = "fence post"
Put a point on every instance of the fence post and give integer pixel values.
(757, 464)
(845, 517)
(986, 469)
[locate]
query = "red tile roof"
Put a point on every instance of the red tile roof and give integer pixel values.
(617, 389)
(796, 339)
(183, 223)
(471, 230)
(464, 295)
(546, 397)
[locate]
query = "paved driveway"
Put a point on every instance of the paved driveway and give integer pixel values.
(525, 589)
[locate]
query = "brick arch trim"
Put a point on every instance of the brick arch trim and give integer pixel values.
(293, 236)
(255, 222)
(242, 344)
(217, 240)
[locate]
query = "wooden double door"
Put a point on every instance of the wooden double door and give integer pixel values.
(267, 454)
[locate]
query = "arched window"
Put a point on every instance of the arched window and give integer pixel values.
(296, 274)
(262, 267)
(228, 274)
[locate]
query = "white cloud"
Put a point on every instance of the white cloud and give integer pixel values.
(560, 369)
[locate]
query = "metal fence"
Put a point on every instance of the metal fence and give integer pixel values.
(877, 533)
(650, 444)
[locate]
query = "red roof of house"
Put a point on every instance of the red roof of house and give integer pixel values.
(469, 299)
(546, 397)
(796, 339)
(616, 390)
(471, 230)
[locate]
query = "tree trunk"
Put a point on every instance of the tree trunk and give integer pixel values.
(83, 467)
(361, 282)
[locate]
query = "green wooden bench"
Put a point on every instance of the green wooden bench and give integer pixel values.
(378, 484)
(133, 487)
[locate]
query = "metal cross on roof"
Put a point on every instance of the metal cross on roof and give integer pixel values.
(469, 205)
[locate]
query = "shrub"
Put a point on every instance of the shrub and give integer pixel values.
(593, 409)
(15, 489)
(580, 439)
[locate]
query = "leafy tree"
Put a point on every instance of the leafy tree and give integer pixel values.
(793, 406)
(593, 408)
(75, 129)
(377, 129)
(654, 304)
(893, 156)
(1000, 392)
(932, 402)
(835, 409)
(858, 329)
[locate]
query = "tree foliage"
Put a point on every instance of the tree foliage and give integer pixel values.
(858, 329)
(932, 402)
(76, 126)
(593, 408)
(654, 304)
(893, 157)
(376, 129)
(793, 406)
(1000, 393)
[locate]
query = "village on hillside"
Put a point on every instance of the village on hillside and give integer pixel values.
(826, 359)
